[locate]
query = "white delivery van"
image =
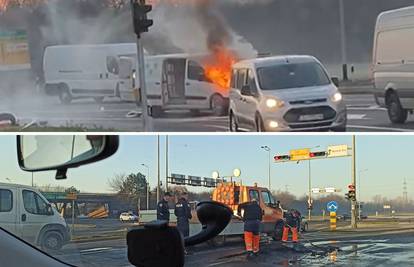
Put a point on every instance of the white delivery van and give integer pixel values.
(393, 63)
(26, 213)
(79, 71)
(174, 82)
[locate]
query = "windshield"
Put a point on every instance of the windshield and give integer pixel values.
(292, 75)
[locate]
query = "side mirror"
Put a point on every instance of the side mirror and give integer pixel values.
(61, 152)
(246, 90)
(335, 80)
(214, 217)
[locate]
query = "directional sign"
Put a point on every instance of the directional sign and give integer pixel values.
(337, 151)
(332, 206)
(300, 154)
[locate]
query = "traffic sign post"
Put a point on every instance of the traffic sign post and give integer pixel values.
(332, 207)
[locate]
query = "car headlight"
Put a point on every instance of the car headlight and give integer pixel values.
(273, 103)
(134, 75)
(337, 97)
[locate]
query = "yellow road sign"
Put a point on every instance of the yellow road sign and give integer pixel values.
(300, 154)
(338, 151)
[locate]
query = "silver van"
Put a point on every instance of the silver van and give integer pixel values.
(285, 93)
(26, 213)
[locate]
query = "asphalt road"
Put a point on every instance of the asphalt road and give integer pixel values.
(361, 248)
(364, 115)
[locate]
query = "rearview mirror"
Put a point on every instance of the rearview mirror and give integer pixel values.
(335, 80)
(60, 152)
(246, 90)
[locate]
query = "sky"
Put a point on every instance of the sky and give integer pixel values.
(382, 162)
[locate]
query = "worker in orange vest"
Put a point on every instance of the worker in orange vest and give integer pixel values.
(252, 217)
(290, 225)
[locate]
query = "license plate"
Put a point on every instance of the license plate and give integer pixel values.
(312, 117)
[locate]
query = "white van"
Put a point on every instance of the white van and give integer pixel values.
(26, 213)
(285, 93)
(174, 82)
(393, 63)
(79, 71)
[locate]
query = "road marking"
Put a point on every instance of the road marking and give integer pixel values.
(95, 250)
(356, 117)
(380, 128)
(375, 107)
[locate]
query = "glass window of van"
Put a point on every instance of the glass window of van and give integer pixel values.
(241, 80)
(34, 204)
(251, 81)
(195, 71)
(6, 200)
(254, 194)
(292, 75)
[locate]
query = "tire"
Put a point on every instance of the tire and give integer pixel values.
(396, 112)
(156, 111)
(259, 124)
(99, 100)
(52, 241)
(65, 96)
(233, 126)
(218, 105)
(278, 232)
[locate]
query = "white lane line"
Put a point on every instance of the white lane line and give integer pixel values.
(357, 116)
(380, 128)
(95, 250)
(366, 108)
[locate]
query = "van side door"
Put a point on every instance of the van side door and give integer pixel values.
(198, 89)
(8, 210)
(251, 101)
(34, 215)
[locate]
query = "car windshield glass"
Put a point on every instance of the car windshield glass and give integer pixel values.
(292, 75)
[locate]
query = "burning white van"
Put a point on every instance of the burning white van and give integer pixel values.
(80, 71)
(174, 82)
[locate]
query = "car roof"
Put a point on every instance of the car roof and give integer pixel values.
(274, 60)
(14, 186)
(396, 17)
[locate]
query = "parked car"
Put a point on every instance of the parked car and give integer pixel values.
(128, 217)
(285, 93)
(343, 217)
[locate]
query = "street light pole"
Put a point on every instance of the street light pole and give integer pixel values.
(268, 149)
(359, 191)
(166, 162)
(158, 169)
(353, 202)
(343, 40)
(310, 191)
(32, 180)
(146, 166)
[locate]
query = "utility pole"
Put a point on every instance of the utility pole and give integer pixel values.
(148, 177)
(268, 150)
(310, 192)
(354, 200)
(158, 169)
(32, 179)
(141, 25)
(343, 40)
(405, 194)
(166, 162)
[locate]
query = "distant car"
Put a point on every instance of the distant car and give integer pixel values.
(285, 93)
(362, 217)
(343, 217)
(128, 217)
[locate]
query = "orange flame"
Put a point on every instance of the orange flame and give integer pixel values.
(218, 67)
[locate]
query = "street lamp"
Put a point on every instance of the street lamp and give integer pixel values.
(146, 166)
(268, 149)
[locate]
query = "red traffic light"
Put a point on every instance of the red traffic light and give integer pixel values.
(311, 154)
(281, 157)
(351, 187)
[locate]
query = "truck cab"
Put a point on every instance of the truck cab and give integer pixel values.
(232, 195)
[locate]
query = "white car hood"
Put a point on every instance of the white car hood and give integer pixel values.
(303, 93)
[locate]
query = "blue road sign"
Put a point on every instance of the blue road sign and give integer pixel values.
(332, 206)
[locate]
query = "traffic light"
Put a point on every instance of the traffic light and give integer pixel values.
(139, 15)
(351, 195)
(317, 154)
(282, 157)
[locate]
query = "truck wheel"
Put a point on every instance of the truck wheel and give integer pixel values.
(52, 241)
(64, 95)
(396, 113)
(99, 100)
(278, 232)
(218, 105)
(156, 111)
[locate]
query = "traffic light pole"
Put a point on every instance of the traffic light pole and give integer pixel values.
(354, 200)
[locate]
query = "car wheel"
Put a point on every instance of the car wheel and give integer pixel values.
(396, 113)
(218, 105)
(99, 100)
(259, 124)
(52, 241)
(278, 231)
(65, 96)
(234, 127)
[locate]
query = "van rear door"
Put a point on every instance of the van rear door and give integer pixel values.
(8, 210)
